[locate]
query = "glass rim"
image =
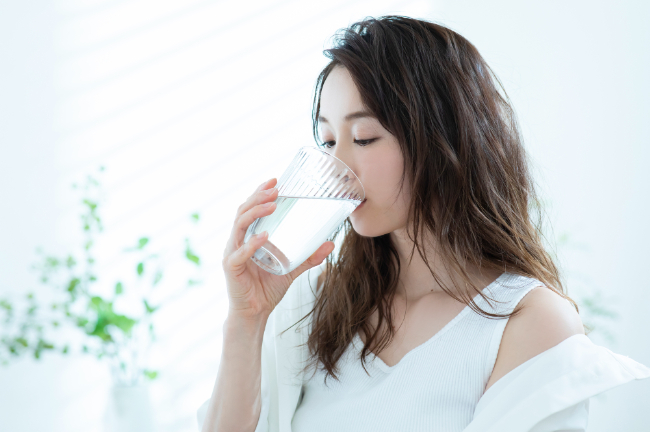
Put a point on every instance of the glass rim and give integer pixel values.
(344, 164)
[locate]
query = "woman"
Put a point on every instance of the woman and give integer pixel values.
(474, 332)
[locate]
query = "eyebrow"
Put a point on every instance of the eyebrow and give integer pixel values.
(351, 116)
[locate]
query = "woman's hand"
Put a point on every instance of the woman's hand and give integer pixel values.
(252, 291)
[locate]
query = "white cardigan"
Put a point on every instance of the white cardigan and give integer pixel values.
(548, 393)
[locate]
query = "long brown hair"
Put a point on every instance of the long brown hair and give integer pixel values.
(463, 153)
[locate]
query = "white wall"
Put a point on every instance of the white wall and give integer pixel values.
(191, 104)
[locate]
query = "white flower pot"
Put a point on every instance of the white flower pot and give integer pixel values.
(129, 409)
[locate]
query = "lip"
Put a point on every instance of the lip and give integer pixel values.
(360, 205)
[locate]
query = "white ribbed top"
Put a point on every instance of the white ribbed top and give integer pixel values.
(434, 387)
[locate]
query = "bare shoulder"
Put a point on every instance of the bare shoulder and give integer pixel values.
(545, 320)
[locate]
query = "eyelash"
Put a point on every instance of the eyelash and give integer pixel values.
(360, 142)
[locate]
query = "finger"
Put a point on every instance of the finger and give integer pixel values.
(257, 196)
(241, 256)
(243, 219)
(241, 225)
(235, 241)
(233, 244)
(315, 259)
(268, 184)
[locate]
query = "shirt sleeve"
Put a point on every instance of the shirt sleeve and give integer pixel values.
(551, 391)
(200, 414)
(571, 419)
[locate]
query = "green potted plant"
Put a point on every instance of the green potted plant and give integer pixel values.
(72, 304)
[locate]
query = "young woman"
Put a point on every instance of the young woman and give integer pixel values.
(442, 310)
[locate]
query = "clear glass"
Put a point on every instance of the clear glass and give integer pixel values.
(316, 193)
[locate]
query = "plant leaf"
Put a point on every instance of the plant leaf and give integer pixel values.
(123, 322)
(91, 205)
(140, 269)
(52, 262)
(119, 289)
(150, 309)
(150, 374)
(72, 286)
(189, 254)
(157, 278)
(97, 303)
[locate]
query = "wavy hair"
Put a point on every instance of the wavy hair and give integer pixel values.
(464, 155)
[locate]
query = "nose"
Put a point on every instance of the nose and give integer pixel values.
(344, 154)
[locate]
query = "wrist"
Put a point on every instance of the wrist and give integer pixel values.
(245, 325)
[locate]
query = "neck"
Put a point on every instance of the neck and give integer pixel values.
(415, 279)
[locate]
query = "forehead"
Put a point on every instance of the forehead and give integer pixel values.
(339, 95)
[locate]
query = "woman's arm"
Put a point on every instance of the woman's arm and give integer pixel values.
(236, 399)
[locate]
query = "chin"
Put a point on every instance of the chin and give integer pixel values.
(365, 228)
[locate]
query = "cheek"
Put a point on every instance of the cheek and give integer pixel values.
(382, 175)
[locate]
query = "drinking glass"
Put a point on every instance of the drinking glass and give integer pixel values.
(315, 194)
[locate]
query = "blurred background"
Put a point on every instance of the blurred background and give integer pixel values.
(166, 115)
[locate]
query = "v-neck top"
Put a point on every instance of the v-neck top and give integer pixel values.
(357, 343)
(434, 387)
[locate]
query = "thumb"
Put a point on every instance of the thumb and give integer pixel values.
(315, 259)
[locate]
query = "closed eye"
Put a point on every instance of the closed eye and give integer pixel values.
(330, 144)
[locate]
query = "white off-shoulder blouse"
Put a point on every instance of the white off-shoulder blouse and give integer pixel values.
(548, 393)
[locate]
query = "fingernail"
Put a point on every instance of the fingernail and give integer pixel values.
(270, 191)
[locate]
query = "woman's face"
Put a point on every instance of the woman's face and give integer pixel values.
(351, 134)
